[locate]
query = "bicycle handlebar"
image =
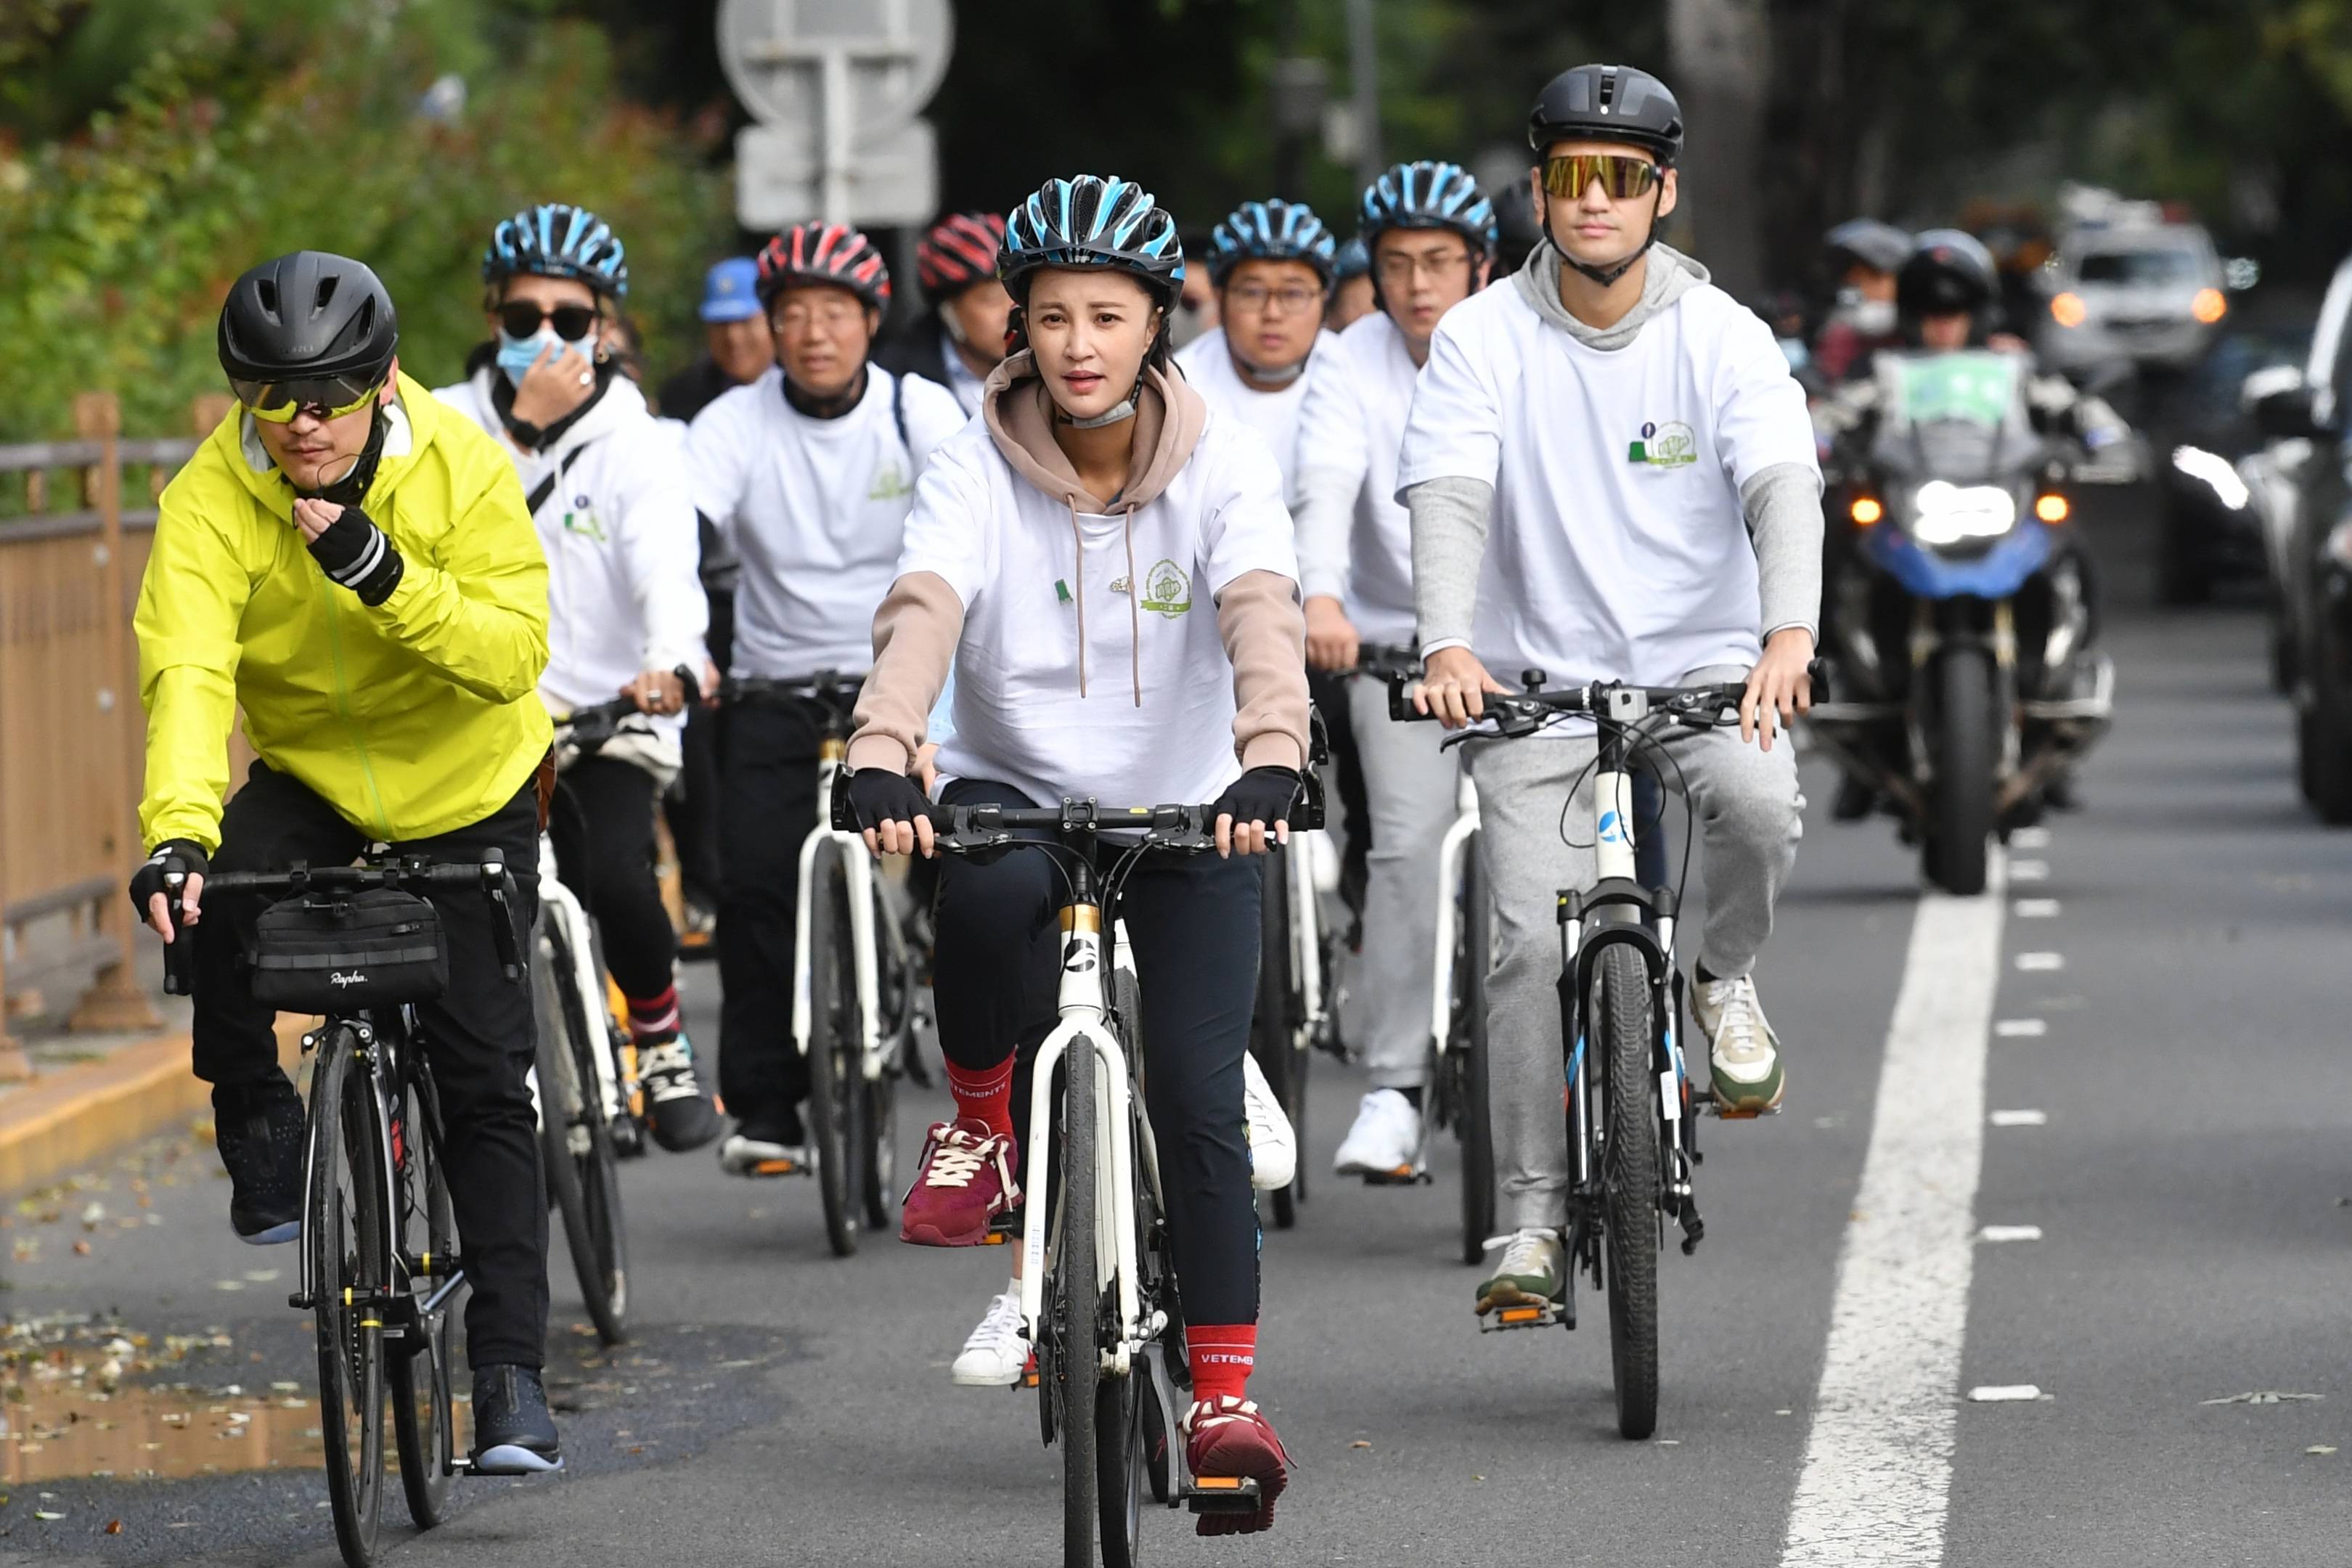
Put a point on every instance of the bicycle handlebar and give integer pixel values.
(974, 829)
(1519, 714)
(590, 728)
(412, 876)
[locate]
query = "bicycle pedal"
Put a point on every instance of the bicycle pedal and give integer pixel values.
(778, 1168)
(1521, 1317)
(1402, 1176)
(1223, 1494)
(1710, 1106)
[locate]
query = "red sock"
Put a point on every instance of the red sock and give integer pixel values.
(653, 1015)
(1222, 1356)
(985, 1094)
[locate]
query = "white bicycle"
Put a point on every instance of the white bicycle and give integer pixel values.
(853, 986)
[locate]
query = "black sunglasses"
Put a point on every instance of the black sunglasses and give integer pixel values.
(520, 319)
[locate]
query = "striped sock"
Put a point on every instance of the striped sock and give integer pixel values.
(985, 1094)
(652, 1020)
(1222, 1356)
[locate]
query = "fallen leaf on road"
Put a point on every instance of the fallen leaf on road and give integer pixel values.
(2004, 1393)
(45, 1513)
(113, 1527)
(81, 1249)
(228, 1284)
(2261, 1396)
(1360, 1443)
(2321, 1448)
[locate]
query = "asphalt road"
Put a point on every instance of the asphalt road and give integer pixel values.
(2190, 1175)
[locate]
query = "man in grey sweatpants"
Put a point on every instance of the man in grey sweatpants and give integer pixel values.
(1647, 465)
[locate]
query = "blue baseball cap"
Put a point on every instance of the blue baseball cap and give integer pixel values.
(731, 290)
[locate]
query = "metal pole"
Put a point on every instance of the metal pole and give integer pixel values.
(834, 179)
(1364, 68)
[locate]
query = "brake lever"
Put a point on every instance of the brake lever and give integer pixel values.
(495, 881)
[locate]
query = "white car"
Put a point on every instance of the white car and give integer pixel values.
(2147, 294)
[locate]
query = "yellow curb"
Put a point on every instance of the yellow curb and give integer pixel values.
(71, 1118)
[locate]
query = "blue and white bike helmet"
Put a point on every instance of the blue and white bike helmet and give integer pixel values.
(1092, 221)
(1429, 193)
(1273, 230)
(555, 239)
(1353, 261)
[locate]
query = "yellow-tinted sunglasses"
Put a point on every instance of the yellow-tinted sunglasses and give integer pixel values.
(1572, 173)
(329, 398)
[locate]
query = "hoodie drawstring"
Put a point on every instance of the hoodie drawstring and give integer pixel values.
(1134, 592)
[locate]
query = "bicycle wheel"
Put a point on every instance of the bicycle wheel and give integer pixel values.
(1622, 1023)
(1074, 1309)
(1466, 1053)
(1273, 1040)
(422, 1421)
(835, 1095)
(575, 1145)
(343, 1230)
(879, 1113)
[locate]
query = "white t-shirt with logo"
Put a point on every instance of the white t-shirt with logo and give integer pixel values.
(1618, 549)
(1353, 420)
(816, 509)
(1208, 363)
(1009, 553)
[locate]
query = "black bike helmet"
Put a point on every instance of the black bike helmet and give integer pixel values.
(1867, 242)
(1949, 271)
(1608, 103)
(1519, 225)
(310, 317)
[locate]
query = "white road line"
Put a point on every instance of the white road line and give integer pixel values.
(2035, 909)
(2021, 1029)
(1878, 1462)
(2029, 871)
(2040, 963)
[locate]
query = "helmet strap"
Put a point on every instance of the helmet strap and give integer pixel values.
(1606, 276)
(1282, 377)
(352, 487)
(1123, 409)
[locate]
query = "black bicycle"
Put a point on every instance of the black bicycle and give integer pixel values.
(854, 994)
(379, 1266)
(1632, 1114)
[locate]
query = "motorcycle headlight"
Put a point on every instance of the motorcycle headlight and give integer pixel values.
(1945, 513)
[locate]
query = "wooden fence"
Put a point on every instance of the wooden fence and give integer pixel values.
(71, 732)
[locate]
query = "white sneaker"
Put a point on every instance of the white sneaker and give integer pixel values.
(1385, 1141)
(1743, 1053)
(1274, 1147)
(996, 1355)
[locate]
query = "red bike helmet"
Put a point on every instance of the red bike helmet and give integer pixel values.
(959, 251)
(824, 253)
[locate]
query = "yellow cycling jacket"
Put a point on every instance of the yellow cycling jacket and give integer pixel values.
(416, 716)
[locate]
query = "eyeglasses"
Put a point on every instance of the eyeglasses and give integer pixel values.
(280, 402)
(1257, 296)
(1396, 266)
(1573, 173)
(520, 319)
(830, 314)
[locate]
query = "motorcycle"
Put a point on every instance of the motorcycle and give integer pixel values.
(1962, 688)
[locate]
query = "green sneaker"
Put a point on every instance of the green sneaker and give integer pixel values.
(1743, 1052)
(1533, 1272)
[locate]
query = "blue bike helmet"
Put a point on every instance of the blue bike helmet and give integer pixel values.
(1272, 230)
(1353, 260)
(1092, 221)
(555, 239)
(1429, 193)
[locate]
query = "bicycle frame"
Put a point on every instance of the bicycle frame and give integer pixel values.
(1452, 854)
(1085, 1022)
(859, 865)
(559, 904)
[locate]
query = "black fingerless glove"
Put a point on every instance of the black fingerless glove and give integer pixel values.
(1262, 795)
(877, 795)
(172, 855)
(354, 553)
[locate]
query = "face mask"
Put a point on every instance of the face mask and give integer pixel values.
(1871, 318)
(517, 355)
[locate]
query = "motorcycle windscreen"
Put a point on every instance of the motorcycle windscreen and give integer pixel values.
(1960, 416)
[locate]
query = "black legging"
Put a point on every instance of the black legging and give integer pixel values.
(603, 825)
(1194, 925)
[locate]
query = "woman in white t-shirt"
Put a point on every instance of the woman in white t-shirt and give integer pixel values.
(1093, 477)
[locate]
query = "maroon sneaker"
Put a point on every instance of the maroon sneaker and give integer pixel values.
(963, 1181)
(1230, 1436)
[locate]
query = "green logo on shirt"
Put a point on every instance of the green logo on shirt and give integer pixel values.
(1167, 589)
(1669, 446)
(890, 483)
(583, 520)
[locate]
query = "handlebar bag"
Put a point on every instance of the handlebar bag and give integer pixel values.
(375, 947)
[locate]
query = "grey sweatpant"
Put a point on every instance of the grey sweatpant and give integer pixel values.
(1413, 790)
(1748, 816)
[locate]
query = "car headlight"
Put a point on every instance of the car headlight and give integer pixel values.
(2217, 473)
(1945, 513)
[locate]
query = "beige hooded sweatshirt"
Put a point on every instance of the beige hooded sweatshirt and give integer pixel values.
(921, 620)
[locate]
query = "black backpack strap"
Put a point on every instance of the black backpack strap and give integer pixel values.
(898, 413)
(546, 486)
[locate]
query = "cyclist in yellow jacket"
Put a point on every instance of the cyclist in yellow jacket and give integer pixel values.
(351, 564)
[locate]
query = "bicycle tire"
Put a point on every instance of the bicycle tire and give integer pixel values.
(879, 1113)
(1623, 1020)
(583, 1180)
(343, 1231)
(1075, 1308)
(422, 1421)
(1475, 1124)
(833, 1079)
(1272, 1037)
